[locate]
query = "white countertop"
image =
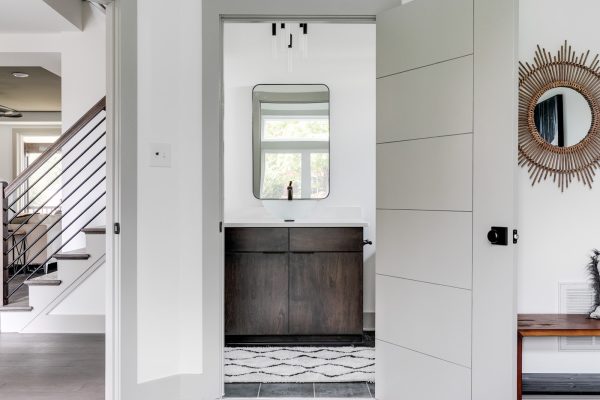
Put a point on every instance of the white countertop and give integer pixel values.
(300, 223)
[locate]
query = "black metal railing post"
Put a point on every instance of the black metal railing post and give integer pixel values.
(4, 244)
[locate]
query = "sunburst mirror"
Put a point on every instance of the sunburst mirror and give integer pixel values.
(559, 116)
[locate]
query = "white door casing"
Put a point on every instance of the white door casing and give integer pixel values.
(446, 156)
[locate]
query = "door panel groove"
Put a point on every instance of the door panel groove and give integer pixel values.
(423, 354)
(432, 319)
(434, 174)
(425, 138)
(425, 282)
(433, 102)
(424, 66)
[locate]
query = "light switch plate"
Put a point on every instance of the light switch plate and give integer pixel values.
(160, 155)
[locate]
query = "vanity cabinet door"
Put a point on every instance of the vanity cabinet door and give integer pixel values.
(256, 293)
(326, 293)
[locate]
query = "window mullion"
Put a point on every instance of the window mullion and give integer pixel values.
(306, 175)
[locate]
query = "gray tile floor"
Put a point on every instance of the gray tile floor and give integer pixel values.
(51, 367)
(300, 390)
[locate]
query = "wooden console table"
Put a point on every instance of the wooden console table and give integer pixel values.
(545, 325)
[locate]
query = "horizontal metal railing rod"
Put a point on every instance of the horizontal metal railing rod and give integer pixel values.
(55, 193)
(58, 162)
(53, 225)
(61, 173)
(58, 250)
(60, 142)
(58, 205)
(59, 189)
(55, 237)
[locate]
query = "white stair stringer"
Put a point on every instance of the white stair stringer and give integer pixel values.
(45, 299)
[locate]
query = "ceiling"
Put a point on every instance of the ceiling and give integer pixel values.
(32, 16)
(39, 92)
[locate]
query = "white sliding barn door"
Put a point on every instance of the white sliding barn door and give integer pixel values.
(446, 156)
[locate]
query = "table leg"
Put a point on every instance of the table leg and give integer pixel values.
(519, 366)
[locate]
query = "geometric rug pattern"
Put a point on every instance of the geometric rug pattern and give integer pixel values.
(299, 364)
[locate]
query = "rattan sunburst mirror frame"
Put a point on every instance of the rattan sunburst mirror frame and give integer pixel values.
(543, 160)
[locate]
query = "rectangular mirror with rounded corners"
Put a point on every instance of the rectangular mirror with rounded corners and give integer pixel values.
(290, 129)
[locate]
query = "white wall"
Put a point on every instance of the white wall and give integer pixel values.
(558, 230)
(342, 56)
(7, 141)
(83, 61)
(169, 271)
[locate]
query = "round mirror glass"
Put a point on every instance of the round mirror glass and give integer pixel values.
(563, 117)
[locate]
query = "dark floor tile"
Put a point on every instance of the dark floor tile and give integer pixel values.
(354, 389)
(287, 390)
(371, 388)
(241, 389)
(368, 339)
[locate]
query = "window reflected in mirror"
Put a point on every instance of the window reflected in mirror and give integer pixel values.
(291, 141)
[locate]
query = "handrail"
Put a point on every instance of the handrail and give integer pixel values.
(60, 142)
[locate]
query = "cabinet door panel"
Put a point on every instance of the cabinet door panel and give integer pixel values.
(326, 293)
(256, 294)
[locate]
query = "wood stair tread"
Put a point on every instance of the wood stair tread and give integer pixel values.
(72, 256)
(98, 230)
(10, 308)
(45, 280)
(18, 306)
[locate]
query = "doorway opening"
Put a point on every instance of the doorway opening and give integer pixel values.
(299, 207)
(53, 173)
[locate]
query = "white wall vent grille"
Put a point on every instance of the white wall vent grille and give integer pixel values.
(577, 298)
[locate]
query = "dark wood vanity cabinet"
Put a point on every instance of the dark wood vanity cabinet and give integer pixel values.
(293, 281)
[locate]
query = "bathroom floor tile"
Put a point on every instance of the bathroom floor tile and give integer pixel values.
(344, 390)
(371, 388)
(286, 390)
(241, 389)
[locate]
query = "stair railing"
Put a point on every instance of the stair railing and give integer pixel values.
(66, 183)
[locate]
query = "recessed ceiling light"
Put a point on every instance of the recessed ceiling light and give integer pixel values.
(20, 75)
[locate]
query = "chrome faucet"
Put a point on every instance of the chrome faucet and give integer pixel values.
(290, 191)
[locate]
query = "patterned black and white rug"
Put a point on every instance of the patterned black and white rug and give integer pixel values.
(299, 364)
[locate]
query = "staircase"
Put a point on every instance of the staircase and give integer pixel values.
(57, 204)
